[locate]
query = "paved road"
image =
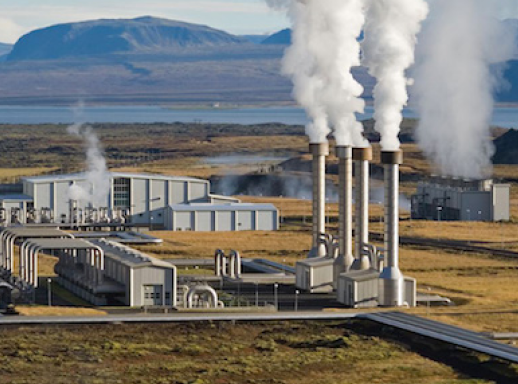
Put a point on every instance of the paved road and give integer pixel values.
(175, 317)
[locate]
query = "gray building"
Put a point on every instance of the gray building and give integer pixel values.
(138, 199)
(129, 278)
(443, 198)
(222, 217)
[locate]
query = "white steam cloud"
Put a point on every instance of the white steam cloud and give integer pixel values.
(319, 62)
(455, 83)
(389, 50)
(97, 174)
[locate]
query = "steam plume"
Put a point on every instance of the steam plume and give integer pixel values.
(97, 174)
(455, 84)
(389, 50)
(319, 62)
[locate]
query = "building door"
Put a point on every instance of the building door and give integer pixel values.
(152, 295)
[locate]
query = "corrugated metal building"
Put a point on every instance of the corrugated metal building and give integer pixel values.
(129, 278)
(444, 198)
(144, 198)
(140, 194)
(223, 217)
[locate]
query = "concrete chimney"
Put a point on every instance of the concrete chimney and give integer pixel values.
(319, 152)
(391, 289)
(361, 158)
(345, 258)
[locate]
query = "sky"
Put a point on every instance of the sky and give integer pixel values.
(18, 17)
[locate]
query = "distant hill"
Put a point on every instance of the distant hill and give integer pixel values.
(255, 39)
(506, 148)
(101, 37)
(284, 38)
(280, 38)
(156, 61)
(5, 48)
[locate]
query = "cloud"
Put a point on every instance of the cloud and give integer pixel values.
(10, 31)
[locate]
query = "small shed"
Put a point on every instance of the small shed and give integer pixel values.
(315, 275)
(358, 289)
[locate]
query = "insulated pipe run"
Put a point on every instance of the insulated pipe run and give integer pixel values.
(319, 152)
(391, 279)
(361, 158)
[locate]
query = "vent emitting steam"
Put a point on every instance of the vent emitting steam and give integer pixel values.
(455, 82)
(319, 62)
(389, 50)
(97, 174)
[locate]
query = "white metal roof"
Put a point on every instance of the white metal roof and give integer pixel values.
(82, 176)
(317, 262)
(360, 276)
(199, 207)
(49, 244)
(129, 256)
(35, 232)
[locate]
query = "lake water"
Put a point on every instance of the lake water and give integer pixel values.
(504, 117)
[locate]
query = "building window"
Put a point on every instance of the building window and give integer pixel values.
(122, 193)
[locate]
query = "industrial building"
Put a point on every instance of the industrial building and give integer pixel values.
(221, 217)
(133, 199)
(100, 271)
(128, 277)
(443, 198)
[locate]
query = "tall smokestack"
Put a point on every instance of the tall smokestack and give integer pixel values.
(391, 290)
(361, 157)
(319, 152)
(345, 169)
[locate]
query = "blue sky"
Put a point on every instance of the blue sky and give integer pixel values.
(237, 16)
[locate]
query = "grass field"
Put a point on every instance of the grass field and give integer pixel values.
(482, 286)
(284, 353)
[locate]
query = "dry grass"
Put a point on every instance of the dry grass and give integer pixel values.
(288, 246)
(185, 166)
(9, 174)
(487, 234)
(57, 311)
(280, 353)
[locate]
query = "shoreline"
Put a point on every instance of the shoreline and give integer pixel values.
(208, 106)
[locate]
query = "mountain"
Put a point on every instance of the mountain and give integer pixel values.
(141, 61)
(255, 39)
(280, 38)
(506, 148)
(102, 37)
(5, 48)
(155, 61)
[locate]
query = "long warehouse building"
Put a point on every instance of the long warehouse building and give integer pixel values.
(141, 199)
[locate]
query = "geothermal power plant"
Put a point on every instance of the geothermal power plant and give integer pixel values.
(369, 276)
(89, 221)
